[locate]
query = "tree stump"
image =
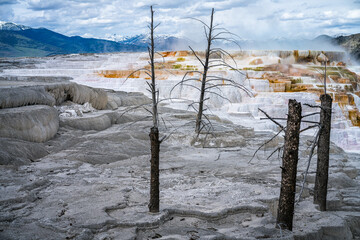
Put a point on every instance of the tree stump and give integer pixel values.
(289, 167)
(322, 170)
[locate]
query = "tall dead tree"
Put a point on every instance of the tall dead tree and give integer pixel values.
(203, 80)
(323, 144)
(322, 170)
(211, 83)
(154, 203)
(289, 167)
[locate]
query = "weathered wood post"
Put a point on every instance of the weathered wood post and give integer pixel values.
(322, 170)
(289, 167)
(154, 181)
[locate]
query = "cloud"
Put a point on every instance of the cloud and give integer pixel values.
(292, 16)
(40, 5)
(6, 11)
(354, 14)
(250, 19)
(7, 2)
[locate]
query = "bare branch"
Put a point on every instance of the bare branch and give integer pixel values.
(268, 141)
(303, 130)
(197, 56)
(147, 71)
(219, 95)
(270, 118)
(308, 165)
(200, 21)
(156, 26)
(182, 80)
(304, 121)
(225, 53)
(276, 150)
(310, 114)
(228, 40)
(148, 110)
(312, 106)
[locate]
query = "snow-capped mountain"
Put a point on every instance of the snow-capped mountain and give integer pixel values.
(162, 42)
(134, 40)
(12, 26)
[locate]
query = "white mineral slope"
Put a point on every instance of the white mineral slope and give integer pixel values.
(28, 113)
(51, 94)
(37, 123)
(88, 183)
(94, 185)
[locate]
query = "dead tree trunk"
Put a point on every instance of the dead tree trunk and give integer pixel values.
(322, 170)
(154, 181)
(289, 167)
(203, 81)
(154, 131)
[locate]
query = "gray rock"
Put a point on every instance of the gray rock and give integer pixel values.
(22, 96)
(52, 94)
(37, 123)
(98, 122)
(18, 152)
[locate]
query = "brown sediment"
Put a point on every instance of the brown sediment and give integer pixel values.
(296, 55)
(298, 88)
(182, 53)
(118, 74)
(168, 54)
(344, 99)
(257, 69)
(354, 116)
(256, 61)
(175, 54)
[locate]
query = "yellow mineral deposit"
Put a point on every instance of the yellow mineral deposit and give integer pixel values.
(354, 116)
(118, 74)
(256, 61)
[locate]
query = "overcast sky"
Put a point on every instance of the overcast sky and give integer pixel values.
(253, 19)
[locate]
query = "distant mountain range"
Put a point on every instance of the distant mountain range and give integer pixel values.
(162, 42)
(22, 41)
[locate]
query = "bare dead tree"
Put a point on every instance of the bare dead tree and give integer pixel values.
(322, 170)
(206, 68)
(289, 167)
(154, 202)
(210, 83)
(290, 157)
(289, 161)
